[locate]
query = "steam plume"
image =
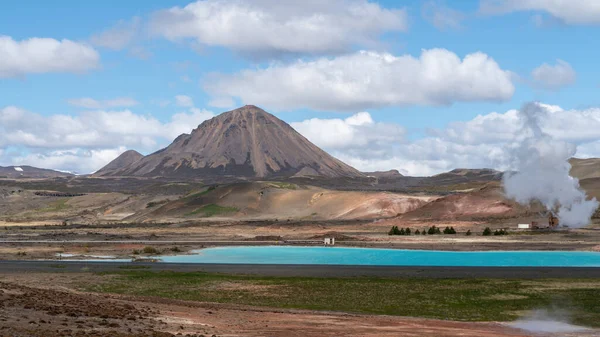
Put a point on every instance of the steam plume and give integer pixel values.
(544, 322)
(541, 171)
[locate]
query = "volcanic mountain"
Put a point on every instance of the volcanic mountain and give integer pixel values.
(245, 142)
(126, 159)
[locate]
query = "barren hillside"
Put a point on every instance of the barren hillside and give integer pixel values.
(245, 142)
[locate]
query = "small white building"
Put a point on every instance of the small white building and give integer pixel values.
(329, 241)
(523, 226)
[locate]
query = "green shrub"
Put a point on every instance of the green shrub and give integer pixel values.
(176, 249)
(468, 233)
(500, 232)
(417, 232)
(487, 231)
(424, 232)
(407, 231)
(150, 250)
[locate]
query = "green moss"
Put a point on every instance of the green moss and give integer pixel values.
(195, 195)
(212, 210)
(452, 299)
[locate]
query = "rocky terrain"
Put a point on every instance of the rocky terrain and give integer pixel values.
(460, 195)
(53, 307)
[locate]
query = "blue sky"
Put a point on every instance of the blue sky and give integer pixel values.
(155, 65)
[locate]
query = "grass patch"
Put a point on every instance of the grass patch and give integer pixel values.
(56, 206)
(452, 299)
(212, 210)
(199, 194)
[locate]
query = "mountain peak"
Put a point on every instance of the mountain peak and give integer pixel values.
(244, 142)
(246, 111)
(124, 160)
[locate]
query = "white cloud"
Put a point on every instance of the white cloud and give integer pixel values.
(87, 141)
(355, 132)
(568, 11)
(428, 156)
(441, 16)
(222, 102)
(81, 161)
(267, 27)
(93, 129)
(90, 103)
(44, 55)
(184, 101)
(483, 142)
(56, 141)
(553, 77)
(374, 146)
(369, 79)
(119, 36)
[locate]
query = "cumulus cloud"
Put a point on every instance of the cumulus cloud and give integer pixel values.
(270, 27)
(369, 79)
(576, 126)
(553, 77)
(486, 141)
(93, 129)
(355, 132)
(93, 136)
(44, 55)
(568, 11)
(442, 16)
(119, 36)
(360, 140)
(184, 101)
(374, 146)
(90, 103)
(80, 161)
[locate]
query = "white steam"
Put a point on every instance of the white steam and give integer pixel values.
(541, 172)
(542, 322)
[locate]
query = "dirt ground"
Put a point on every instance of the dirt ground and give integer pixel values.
(47, 305)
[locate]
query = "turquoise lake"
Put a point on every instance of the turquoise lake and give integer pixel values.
(385, 257)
